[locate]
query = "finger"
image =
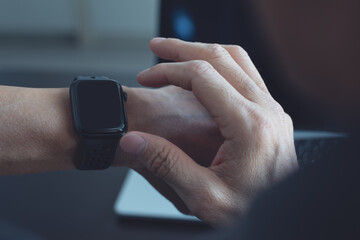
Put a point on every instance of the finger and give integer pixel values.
(181, 51)
(242, 58)
(166, 162)
(124, 159)
(200, 188)
(219, 98)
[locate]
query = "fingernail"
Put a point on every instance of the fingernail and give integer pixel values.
(143, 72)
(133, 144)
(158, 40)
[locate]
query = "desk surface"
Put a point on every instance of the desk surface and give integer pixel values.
(76, 205)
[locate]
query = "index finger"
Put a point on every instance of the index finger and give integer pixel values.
(218, 96)
(231, 61)
(242, 58)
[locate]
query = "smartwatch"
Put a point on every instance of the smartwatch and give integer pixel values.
(99, 116)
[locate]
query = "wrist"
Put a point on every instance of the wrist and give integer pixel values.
(59, 137)
(65, 142)
(137, 110)
(129, 106)
(36, 130)
(136, 103)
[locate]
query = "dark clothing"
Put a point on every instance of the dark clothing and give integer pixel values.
(321, 201)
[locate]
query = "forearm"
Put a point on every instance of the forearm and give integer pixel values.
(36, 132)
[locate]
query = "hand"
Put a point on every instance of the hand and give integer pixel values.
(40, 121)
(258, 147)
(176, 115)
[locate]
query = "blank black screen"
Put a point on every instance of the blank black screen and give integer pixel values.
(99, 105)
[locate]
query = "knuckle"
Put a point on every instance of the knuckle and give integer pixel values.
(200, 67)
(277, 108)
(162, 163)
(216, 51)
(265, 124)
(287, 121)
(238, 51)
(287, 118)
(262, 124)
(281, 114)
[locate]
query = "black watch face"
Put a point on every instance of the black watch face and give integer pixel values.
(99, 106)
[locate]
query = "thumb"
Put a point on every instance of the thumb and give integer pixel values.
(165, 160)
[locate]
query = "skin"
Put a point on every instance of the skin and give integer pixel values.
(258, 147)
(241, 139)
(37, 120)
(176, 115)
(40, 121)
(209, 148)
(318, 47)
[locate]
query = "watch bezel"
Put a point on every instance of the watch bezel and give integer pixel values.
(101, 132)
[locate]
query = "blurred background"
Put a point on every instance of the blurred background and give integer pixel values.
(47, 43)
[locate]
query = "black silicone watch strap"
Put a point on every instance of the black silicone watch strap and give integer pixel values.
(97, 154)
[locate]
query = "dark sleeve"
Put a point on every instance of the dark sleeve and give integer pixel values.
(320, 202)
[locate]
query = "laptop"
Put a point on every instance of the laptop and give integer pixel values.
(228, 22)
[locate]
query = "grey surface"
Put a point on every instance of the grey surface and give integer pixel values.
(77, 205)
(61, 204)
(12, 231)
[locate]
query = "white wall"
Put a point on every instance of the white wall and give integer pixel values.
(112, 35)
(109, 17)
(36, 16)
(133, 17)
